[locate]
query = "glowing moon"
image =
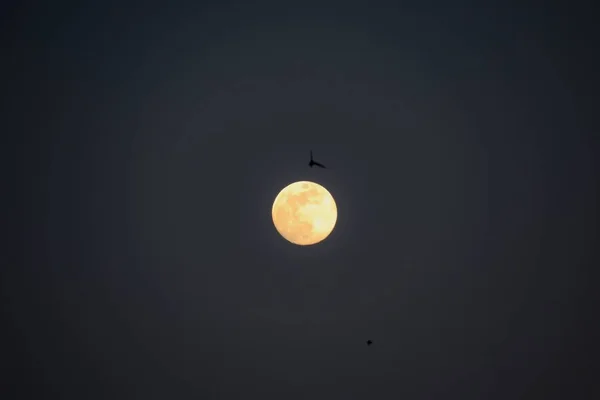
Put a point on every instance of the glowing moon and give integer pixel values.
(304, 213)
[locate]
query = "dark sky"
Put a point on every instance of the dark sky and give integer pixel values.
(147, 143)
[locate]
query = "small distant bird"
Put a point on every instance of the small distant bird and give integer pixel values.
(369, 342)
(313, 162)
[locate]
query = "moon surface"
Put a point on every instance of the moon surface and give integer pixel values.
(304, 213)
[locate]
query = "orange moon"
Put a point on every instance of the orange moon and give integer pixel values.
(304, 213)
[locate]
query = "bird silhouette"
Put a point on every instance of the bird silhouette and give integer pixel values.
(314, 163)
(369, 342)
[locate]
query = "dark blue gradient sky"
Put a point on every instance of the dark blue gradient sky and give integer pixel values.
(149, 142)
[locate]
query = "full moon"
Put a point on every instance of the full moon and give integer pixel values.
(304, 213)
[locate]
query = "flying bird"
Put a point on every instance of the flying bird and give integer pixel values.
(313, 162)
(369, 342)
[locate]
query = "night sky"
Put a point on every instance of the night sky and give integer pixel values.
(147, 143)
